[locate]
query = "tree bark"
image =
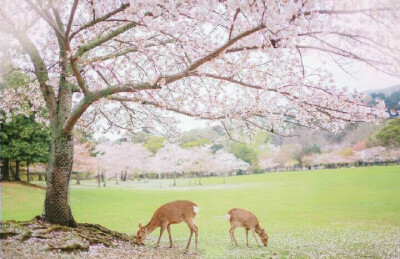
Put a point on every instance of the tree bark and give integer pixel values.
(56, 207)
(14, 174)
(78, 178)
(5, 170)
(27, 173)
(98, 172)
(17, 178)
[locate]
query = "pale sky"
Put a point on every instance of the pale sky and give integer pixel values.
(363, 78)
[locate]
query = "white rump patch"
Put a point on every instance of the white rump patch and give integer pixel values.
(228, 216)
(196, 209)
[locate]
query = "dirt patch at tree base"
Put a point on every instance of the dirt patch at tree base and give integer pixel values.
(38, 239)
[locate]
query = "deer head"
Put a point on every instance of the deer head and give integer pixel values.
(264, 236)
(142, 233)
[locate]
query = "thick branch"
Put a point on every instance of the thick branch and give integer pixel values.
(232, 80)
(79, 78)
(71, 19)
(100, 19)
(211, 56)
(46, 17)
(125, 51)
(97, 95)
(129, 87)
(40, 71)
(100, 40)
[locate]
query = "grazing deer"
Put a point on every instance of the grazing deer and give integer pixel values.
(243, 218)
(171, 213)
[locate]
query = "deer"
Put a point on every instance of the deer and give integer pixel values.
(243, 218)
(171, 213)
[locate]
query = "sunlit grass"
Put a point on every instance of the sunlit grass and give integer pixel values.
(335, 213)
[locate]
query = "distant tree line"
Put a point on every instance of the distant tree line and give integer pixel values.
(23, 140)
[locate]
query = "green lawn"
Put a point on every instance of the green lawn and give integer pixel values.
(336, 213)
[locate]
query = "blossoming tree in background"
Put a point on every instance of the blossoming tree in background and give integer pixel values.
(199, 160)
(121, 158)
(83, 161)
(225, 162)
(132, 64)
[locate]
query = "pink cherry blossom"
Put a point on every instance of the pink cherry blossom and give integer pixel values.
(134, 64)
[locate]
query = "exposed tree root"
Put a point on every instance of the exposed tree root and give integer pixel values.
(7, 234)
(25, 236)
(63, 238)
(38, 239)
(70, 247)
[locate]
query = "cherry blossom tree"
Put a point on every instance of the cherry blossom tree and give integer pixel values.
(163, 162)
(127, 65)
(83, 161)
(198, 160)
(226, 162)
(172, 158)
(122, 157)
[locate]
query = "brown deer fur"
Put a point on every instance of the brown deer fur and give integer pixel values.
(171, 213)
(243, 218)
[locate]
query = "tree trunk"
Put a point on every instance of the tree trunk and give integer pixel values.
(98, 172)
(27, 173)
(56, 207)
(5, 170)
(174, 178)
(14, 174)
(78, 178)
(17, 178)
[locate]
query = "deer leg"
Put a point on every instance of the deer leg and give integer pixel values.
(232, 232)
(247, 236)
(196, 233)
(161, 233)
(170, 237)
(254, 235)
(193, 228)
(188, 243)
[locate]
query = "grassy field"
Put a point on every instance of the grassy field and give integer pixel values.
(351, 212)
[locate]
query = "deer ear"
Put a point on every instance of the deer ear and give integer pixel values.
(140, 225)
